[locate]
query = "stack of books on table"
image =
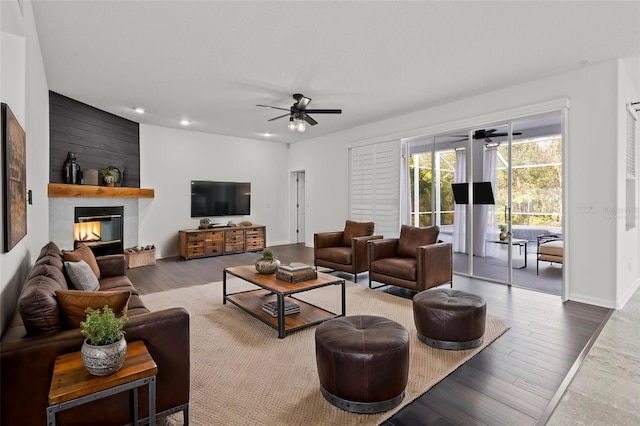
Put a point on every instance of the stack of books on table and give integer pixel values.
(272, 307)
(296, 272)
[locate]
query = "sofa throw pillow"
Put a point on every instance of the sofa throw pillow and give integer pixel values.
(38, 305)
(74, 303)
(412, 237)
(356, 229)
(83, 253)
(81, 276)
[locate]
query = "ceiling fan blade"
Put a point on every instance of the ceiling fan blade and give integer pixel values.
(310, 120)
(481, 134)
(502, 134)
(324, 111)
(272, 107)
(280, 116)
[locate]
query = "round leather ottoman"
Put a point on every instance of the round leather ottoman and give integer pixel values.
(449, 319)
(363, 362)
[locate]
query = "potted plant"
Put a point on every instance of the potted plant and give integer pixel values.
(104, 348)
(205, 223)
(503, 232)
(267, 263)
(109, 176)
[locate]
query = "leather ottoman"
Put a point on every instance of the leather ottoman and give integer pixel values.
(449, 319)
(363, 362)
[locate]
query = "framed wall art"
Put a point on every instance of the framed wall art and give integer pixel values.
(14, 179)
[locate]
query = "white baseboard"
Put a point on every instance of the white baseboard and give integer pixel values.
(605, 303)
(630, 292)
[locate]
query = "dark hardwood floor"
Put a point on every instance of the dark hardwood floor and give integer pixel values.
(514, 381)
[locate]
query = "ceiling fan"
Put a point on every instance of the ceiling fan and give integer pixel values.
(299, 114)
(482, 134)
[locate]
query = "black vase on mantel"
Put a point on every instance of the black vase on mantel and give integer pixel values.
(71, 171)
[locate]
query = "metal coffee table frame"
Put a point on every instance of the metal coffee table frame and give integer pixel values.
(251, 301)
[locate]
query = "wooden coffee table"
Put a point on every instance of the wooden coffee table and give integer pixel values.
(251, 300)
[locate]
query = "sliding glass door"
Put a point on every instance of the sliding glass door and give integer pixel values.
(492, 190)
(492, 240)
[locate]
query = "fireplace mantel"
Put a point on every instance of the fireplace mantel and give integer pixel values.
(92, 191)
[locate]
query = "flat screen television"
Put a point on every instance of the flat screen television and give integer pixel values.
(209, 198)
(482, 193)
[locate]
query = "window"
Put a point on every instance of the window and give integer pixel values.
(630, 171)
(430, 179)
(375, 186)
(536, 181)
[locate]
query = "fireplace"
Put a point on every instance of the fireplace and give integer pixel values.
(101, 228)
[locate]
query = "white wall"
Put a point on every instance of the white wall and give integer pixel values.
(171, 158)
(326, 167)
(591, 163)
(628, 243)
(23, 87)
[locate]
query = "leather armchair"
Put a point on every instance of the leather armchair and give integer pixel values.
(416, 260)
(344, 250)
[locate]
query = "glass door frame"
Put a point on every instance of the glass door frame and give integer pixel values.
(557, 107)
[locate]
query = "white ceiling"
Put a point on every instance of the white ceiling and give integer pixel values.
(212, 61)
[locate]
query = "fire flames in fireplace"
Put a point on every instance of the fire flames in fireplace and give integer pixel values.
(100, 228)
(86, 231)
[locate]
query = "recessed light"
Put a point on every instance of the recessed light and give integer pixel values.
(139, 110)
(267, 134)
(585, 61)
(185, 122)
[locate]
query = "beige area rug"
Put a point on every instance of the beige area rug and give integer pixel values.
(242, 374)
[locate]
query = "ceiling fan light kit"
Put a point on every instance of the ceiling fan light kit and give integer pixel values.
(296, 124)
(298, 113)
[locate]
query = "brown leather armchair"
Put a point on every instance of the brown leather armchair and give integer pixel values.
(344, 250)
(416, 261)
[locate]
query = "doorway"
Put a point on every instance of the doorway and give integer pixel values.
(298, 203)
(493, 191)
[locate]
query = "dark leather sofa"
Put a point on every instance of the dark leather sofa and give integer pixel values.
(27, 357)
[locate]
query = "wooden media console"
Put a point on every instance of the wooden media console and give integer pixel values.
(196, 243)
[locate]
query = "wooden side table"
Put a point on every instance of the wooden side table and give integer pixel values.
(72, 385)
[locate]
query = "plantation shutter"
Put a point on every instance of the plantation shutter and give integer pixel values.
(630, 171)
(375, 186)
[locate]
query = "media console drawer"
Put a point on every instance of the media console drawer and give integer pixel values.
(195, 243)
(254, 238)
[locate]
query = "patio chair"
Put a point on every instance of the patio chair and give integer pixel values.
(550, 249)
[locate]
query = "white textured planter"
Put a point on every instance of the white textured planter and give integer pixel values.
(106, 359)
(267, 266)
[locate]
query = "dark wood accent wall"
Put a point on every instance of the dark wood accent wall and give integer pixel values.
(98, 138)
